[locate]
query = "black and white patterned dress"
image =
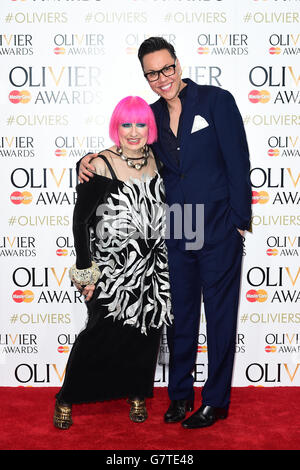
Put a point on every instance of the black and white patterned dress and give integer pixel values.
(120, 225)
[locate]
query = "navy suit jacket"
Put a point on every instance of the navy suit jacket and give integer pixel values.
(214, 167)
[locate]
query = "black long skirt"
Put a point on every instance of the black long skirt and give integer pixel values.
(110, 360)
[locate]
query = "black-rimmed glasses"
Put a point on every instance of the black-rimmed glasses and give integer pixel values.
(167, 71)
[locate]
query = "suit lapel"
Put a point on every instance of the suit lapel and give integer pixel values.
(190, 109)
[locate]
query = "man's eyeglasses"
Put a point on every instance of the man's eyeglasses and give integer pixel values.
(166, 71)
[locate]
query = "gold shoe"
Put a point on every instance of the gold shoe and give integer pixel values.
(138, 412)
(62, 418)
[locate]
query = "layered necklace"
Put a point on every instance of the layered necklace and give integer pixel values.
(131, 161)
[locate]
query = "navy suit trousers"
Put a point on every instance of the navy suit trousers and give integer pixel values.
(215, 272)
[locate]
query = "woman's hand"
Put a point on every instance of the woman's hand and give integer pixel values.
(85, 169)
(87, 291)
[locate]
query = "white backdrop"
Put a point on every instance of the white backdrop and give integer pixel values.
(64, 66)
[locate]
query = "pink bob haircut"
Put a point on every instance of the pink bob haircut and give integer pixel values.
(132, 109)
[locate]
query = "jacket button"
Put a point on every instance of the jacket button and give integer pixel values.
(182, 176)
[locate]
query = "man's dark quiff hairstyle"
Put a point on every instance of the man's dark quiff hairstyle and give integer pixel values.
(154, 44)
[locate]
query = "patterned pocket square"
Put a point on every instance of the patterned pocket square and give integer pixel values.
(199, 123)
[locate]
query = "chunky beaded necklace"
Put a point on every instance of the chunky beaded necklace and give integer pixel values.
(131, 161)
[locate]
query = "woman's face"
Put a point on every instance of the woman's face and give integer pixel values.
(132, 136)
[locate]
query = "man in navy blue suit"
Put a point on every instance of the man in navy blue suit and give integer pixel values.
(203, 148)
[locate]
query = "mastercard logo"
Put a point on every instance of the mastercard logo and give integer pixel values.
(202, 349)
(63, 349)
(256, 96)
(130, 50)
(273, 152)
(256, 295)
(274, 50)
(203, 50)
(21, 198)
(270, 349)
(61, 252)
(59, 50)
(23, 296)
(61, 153)
(260, 197)
(272, 252)
(17, 96)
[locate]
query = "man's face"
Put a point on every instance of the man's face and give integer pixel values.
(167, 87)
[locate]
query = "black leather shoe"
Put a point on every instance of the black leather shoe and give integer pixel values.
(177, 410)
(205, 416)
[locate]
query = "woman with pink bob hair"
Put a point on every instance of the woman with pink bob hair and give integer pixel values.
(132, 109)
(121, 269)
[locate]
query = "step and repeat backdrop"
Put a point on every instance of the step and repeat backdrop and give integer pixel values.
(64, 66)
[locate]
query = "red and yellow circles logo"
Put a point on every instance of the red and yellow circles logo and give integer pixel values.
(17, 96)
(260, 197)
(60, 152)
(273, 152)
(63, 349)
(256, 295)
(272, 252)
(26, 296)
(270, 349)
(18, 197)
(274, 50)
(61, 252)
(59, 50)
(202, 349)
(259, 96)
(203, 50)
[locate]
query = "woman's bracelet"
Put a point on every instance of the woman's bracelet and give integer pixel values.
(85, 277)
